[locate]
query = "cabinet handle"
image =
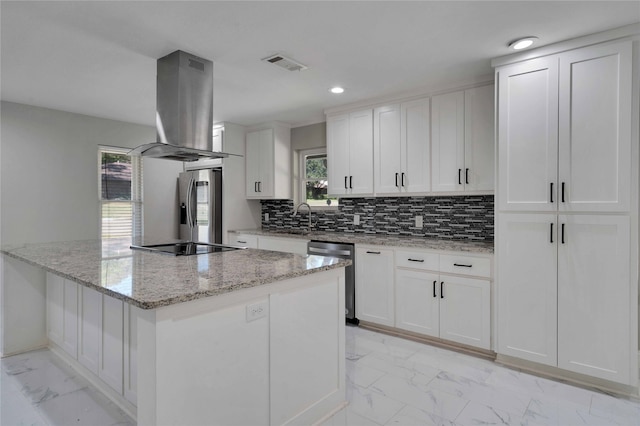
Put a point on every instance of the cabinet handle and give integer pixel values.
(434, 289)
(345, 183)
(563, 192)
(551, 193)
(459, 176)
(466, 176)
(562, 234)
(441, 289)
(350, 182)
(259, 186)
(462, 265)
(396, 179)
(551, 233)
(402, 179)
(241, 242)
(255, 186)
(416, 260)
(373, 252)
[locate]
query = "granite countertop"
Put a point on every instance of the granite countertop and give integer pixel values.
(381, 240)
(152, 280)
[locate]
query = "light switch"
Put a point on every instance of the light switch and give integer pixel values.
(418, 221)
(356, 219)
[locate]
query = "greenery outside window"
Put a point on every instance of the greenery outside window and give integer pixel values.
(313, 179)
(120, 184)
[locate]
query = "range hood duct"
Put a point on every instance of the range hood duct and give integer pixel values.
(184, 110)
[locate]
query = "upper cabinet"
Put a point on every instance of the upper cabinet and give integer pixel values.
(462, 126)
(350, 153)
(268, 163)
(564, 131)
(401, 148)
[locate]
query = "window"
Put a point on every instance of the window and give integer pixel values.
(313, 179)
(120, 196)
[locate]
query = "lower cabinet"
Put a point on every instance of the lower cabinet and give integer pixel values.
(374, 285)
(448, 307)
(287, 245)
(97, 330)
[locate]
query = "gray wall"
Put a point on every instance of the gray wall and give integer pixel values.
(49, 175)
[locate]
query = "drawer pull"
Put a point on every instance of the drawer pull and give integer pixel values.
(241, 242)
(373, 252)
(462, 265)
(416, 260)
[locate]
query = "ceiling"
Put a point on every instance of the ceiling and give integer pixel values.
(99, 58)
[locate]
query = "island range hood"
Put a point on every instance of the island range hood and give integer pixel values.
(184, 110)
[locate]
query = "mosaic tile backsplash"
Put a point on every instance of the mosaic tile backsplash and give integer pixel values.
(448, 217)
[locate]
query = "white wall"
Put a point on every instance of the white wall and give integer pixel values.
(49, 175)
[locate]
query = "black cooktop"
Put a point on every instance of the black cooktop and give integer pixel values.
(186, 249)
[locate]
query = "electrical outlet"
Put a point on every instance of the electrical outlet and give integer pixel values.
(418, 221)
(257, 310)
(356, 219)
(266, 217)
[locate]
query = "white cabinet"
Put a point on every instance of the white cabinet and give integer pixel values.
(375, 285)
(446, 306)
(267, 162)
(110, 367)
(286, 245)
(62, 313)
(595, 301)
(401, 148)
(564, 132)
(350, 153)
(90, 328)
(243, 240)
(463, 140)
(130, 359)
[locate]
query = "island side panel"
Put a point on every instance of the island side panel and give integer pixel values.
(307, 352)
(23, 298)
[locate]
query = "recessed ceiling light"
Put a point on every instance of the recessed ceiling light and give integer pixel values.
(522, 43)
(336, 90)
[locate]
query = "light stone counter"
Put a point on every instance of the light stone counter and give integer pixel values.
(382, 240)
(151, 280)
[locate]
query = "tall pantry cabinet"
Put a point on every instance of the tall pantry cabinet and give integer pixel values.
(567, 206)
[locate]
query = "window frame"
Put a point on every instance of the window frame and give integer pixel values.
(136, 201)
(302, 189)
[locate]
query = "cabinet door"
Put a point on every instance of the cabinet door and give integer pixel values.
(595, 128)
(338, 154)
(374, 285)
(418, 301)
(528, 135)
(252, 163)
(595, 298)
(361, 152)
(111, 347)
(415, 146)
(90, 328)
(267, 164)
(527, 286)
(70, 316)
(386, 143)
(286, 245)
(465, 311)
(447, 127)
(479, 138)
(55, 308)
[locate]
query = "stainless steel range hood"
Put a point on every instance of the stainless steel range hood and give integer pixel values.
(184, 110)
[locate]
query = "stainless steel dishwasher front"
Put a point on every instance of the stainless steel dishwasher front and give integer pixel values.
(342, 251)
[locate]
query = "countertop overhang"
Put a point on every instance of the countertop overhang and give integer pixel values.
(152, 280)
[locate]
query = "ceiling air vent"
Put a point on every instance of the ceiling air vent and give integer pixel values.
(286, 63)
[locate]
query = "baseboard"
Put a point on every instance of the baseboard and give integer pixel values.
(22, 351)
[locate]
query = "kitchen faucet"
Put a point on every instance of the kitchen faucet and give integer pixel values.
(295, 212)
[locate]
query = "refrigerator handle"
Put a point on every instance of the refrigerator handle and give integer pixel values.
(189, 202)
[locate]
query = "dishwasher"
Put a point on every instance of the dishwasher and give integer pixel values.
(342, 251)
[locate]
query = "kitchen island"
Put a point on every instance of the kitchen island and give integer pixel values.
(238, 337)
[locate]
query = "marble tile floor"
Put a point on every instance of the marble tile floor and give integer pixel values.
(390, 381)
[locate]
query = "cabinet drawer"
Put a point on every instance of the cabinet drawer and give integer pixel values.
(465, 265)
(244, 240)
(417, 260)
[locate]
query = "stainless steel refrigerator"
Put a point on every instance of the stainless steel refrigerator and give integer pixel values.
(200, 201)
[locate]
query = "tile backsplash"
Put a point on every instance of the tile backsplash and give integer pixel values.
(447, 217)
